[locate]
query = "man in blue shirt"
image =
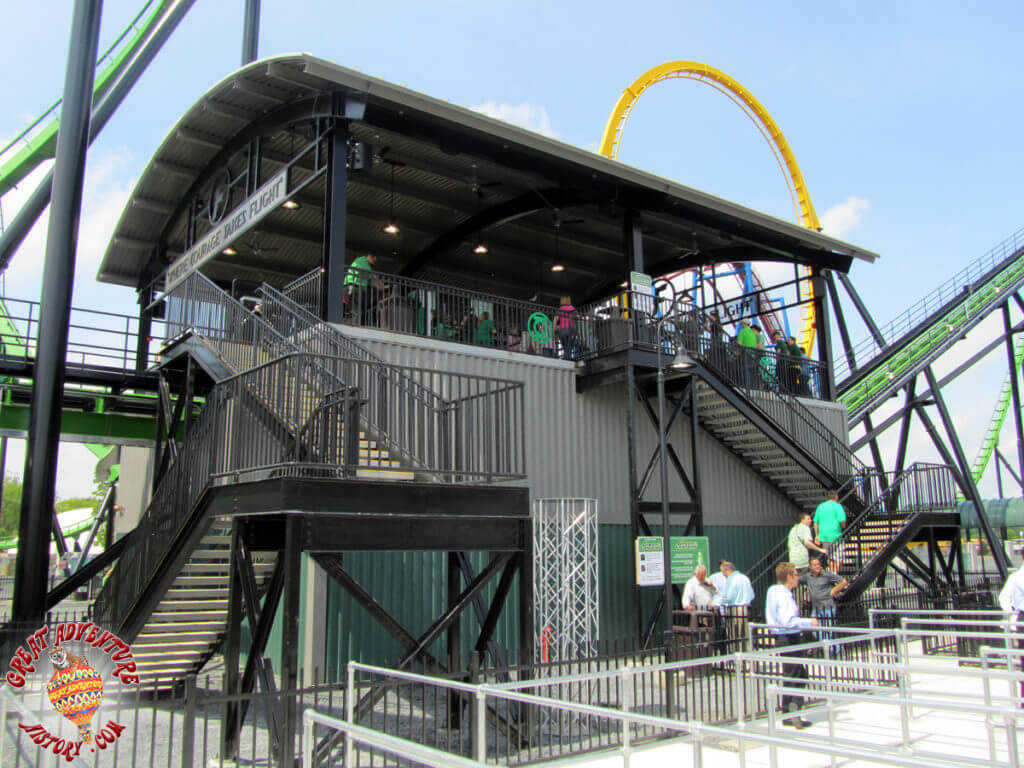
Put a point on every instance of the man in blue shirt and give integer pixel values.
(783, 617)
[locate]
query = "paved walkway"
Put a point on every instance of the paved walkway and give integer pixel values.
(937, 737)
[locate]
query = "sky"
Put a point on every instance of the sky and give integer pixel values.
(902, 116)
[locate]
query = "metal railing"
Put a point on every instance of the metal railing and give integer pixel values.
(475, 437)
(921, 488)
(385, 384)
(933, 306)
(421, 308)
(96, 339)
(527, 721)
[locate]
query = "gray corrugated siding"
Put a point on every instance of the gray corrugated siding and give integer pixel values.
(576, 447)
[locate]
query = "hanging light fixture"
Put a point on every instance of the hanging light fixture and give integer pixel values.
(391, 228)
(557, 266)
(480, 249)
(290, 205)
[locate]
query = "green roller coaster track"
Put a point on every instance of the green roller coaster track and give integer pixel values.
(39, 140)
(936, 336)
(995, 425)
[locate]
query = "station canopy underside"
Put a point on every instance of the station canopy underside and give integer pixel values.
(450, 177)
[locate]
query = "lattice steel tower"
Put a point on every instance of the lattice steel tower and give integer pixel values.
(565, 578)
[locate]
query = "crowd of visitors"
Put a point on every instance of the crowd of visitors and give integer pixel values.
(747, 358)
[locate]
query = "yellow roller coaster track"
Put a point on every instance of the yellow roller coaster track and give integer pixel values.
(753, 109)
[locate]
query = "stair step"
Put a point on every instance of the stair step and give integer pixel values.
(196, 593)
(177, 638)
(180, 606)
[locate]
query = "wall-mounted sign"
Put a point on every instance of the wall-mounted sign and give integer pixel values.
(650, 561)
(232, 226)
(686, 553)
(640, 283)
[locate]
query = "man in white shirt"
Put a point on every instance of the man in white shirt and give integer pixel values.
(1011, 600)
(718, 579)
(783, 617)
(699, 593)
(737, 595)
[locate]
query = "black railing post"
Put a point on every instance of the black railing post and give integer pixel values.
(351, 455)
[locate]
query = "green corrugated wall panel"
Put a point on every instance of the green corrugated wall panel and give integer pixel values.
(411, 586)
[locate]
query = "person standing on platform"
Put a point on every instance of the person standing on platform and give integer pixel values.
(783, 618)
(823, 587)
(737, 595)
(829, 520)
(718, 579)
(565, 328)
(1011, 600)
(746, 343)
(357, 288)
(699, 593)
(801, 543)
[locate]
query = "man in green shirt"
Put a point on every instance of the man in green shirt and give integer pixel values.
(829, 519)
(357, 288)
(801, 542)
(746, 340)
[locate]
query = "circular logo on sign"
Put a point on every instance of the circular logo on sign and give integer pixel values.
(539, 327)
(219, 196)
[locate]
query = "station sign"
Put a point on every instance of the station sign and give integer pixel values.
(685, 552)
(232, 226)
(640, 283)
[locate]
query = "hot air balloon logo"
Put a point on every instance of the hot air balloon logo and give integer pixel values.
(75, 690)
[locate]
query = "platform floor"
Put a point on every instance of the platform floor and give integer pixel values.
(938, 737)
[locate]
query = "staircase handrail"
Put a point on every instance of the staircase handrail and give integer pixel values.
(683, 332)
(923, 486)
(869, 486)
(386, 382)
(936, 304)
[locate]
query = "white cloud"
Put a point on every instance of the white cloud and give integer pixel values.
(843, 219)
(524, 114)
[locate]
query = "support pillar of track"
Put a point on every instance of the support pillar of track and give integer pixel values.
(29, 605)
(251, 32)
(824, 335)
(1014, 390)
(968, 486)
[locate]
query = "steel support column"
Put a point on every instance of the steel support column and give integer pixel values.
(968, 486)
(633, 240)
(292, 569)
(33, 207)
(862, 310)
(251, 32)
(824, 334)
(455, 628)
(844, 332)
(335, 215)
(634, 501)
(145, 329)
(1014, 389)
(34, 528)
(698, 507)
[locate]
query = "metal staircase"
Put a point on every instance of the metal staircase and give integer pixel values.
(766, 426)
(275, 411)
(921, 497)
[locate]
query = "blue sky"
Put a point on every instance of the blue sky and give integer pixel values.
(903, 116)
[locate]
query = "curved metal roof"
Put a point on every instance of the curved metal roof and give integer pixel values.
(454, 170)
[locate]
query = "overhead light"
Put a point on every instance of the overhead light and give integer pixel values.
(624, 284)
(480, 249)
(229, 251)
(557, 268)
(391, 228)
(291, 205)
(681, 360)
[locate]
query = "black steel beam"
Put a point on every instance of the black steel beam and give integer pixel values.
(32, 208)
(485, 639)
(479, 607)
(824, 334)
(40, 474)
(862, 310)
(698, 513)
(332, 564)
(292, 555)
(85, 573)
(251, 32)
(335, 217)
(844, 333)
(260, 635)
(968, 486)
(635, 518)
(1013, 373)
